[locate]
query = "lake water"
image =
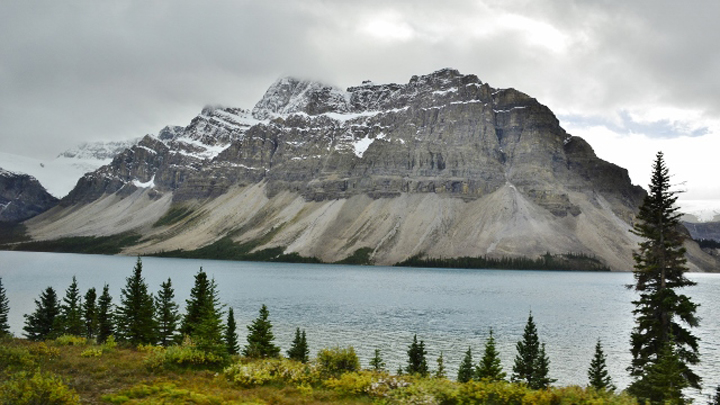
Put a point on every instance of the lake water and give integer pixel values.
(382, 307)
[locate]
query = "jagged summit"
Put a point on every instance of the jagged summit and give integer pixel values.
(443, 166)
(22, 197)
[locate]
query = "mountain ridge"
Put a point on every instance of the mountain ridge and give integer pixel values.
(443, 165)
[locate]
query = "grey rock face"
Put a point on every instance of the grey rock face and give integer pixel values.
(22, 197)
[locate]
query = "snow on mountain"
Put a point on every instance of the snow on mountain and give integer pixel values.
(61, 174)
(697, 211)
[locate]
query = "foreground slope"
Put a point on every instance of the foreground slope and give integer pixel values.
(443, 166)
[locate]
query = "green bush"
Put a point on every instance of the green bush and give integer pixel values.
(71, 340)
(186, 355)
(336, 361)
(353, 384)
(160, 393)
(283, 371)
(24, 388)
(15, 358)
(92, 352)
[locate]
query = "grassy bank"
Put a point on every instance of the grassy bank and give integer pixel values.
(72, 369)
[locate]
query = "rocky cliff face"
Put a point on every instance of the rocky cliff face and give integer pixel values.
(444, 165)
(22, 197)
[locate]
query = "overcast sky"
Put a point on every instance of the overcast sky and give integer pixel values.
(631, 77)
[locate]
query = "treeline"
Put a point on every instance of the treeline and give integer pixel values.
(708, 243)
(567, 261)
(208, 332)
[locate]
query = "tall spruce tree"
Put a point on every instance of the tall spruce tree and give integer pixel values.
(231, 337)
(260, 337)
(135, 320)
(299, 350)
(490, 367)
(661, 313)
(417, 363)
(203, 315)
(465, 371)
(71, 311)
(598, 376)
(43, 323)
(531, 363)
(89, 313)
(105, 316)
(663, 380)
(4, 311)
(166, 314)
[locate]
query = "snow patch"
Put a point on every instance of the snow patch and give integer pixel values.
(148, 184)
(361, 145)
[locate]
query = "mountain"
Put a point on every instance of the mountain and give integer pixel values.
(442, 166)
(22, 197)
(61, 174)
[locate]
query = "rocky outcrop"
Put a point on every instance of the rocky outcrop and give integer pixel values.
(483, 171)
(22, 197)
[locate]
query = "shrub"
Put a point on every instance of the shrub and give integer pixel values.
(23, 388)
(15, 358)
(261, 372)
(43, 350)
(352, 384)
(109, 344)
(92, 352)
(160, 393)
(185, 356)
(335, 361)
(71, 340)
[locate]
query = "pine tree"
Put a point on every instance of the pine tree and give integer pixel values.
(71, 311)
(89, 313)
(465, 372)
(105, 316)
(166, 314)
(663, 380)
(377, 363)
(440, 372)
(298, 350)
(135, 321)
(4, 310)
(490, 367)
(659, 271)
(416, 358)
(203, 315)
(231, 337)
(260, 337)
(540, 378)
(597, 373)
(531, 363)
(43, 323)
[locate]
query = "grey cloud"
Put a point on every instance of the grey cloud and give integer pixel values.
(657, 129)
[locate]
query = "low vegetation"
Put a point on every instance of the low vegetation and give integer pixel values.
(568, 261)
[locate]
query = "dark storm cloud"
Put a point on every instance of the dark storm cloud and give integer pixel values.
(76, 71)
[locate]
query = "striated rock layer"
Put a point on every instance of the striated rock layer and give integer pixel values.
(443, 166)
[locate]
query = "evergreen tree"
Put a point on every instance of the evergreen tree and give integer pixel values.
(660, 311)
(597, 373)
(377, 363)
(203, 315)
(663, 380)
(4, 310)
(542, 369)
(43, 323)
(260, 338)
(531, 364)
(105, 316)
(90, 313)
(71, 311)
(416, 358)
(440, 372)
(299, 350)
(231, 337)
(490, 367)
(135, 321)
(465, 372)
(166, 314)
